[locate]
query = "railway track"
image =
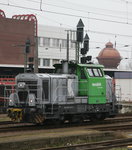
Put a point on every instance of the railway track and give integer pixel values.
(5, 123)
(114, 127)
(120, 123)
(108, 120)
(116, 124)
(104, 145)
(111, 127)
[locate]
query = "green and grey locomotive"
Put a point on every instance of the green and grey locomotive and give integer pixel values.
(75, 92)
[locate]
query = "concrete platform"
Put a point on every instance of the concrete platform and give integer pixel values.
(126, 107)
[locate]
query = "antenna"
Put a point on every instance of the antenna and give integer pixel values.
(115, 41)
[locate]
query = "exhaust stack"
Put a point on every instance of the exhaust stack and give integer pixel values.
(65, 66)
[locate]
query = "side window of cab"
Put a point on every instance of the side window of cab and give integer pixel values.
(83, 76)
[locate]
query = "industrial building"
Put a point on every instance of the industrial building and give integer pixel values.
(52, 45)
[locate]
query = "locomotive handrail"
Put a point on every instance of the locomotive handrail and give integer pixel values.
(73, 89)
(118, 93)
(60, 87)
(109, 92)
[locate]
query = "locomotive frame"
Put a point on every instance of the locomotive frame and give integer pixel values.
(75, 92)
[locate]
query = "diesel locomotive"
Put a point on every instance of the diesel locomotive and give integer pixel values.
(75, 92)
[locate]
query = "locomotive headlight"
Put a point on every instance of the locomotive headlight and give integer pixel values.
(31, 100)
(12, 100)
(21, 85)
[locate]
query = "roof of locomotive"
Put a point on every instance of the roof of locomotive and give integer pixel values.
(81, 65)
(35, 76)
(91, 65)
(43, 75)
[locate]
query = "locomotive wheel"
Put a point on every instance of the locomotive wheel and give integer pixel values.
(97, 117)
(93, 119)
(76, 119)
(102, 118)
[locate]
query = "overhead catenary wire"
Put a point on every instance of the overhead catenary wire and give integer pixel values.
(67, 14)
(80, 10)
(96, 32)
(108, 33)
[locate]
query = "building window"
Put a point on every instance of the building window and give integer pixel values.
(64, 43)
(38, 61)
(73, 36)
(72, 45)
(40, 41)
(46, 42)
(56, 61)
(46, 62)
(55, 42)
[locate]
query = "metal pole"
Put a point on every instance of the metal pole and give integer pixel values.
(67, 46)
(77, 52)
(25, 61)
(36, 55)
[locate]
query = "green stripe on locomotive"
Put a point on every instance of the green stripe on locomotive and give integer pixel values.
(92, 83)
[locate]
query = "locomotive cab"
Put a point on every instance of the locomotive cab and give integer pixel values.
(92, 83)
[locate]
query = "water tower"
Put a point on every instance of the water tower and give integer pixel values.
(109, 56)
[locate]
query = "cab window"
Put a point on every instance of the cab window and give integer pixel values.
(94, 72)
(100, 73)
(90, 72)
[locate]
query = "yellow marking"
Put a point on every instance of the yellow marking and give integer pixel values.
(15, 109)
(16, 114)
(39, 118)
(36, 120)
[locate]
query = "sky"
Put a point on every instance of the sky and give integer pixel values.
(104, 20)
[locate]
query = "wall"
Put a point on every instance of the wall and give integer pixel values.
(124, 86)
(13, 34)
(123, 81)
(53, 51)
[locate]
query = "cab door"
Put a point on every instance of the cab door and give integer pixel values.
(96, 86)
(83, 83)
(45, 90)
